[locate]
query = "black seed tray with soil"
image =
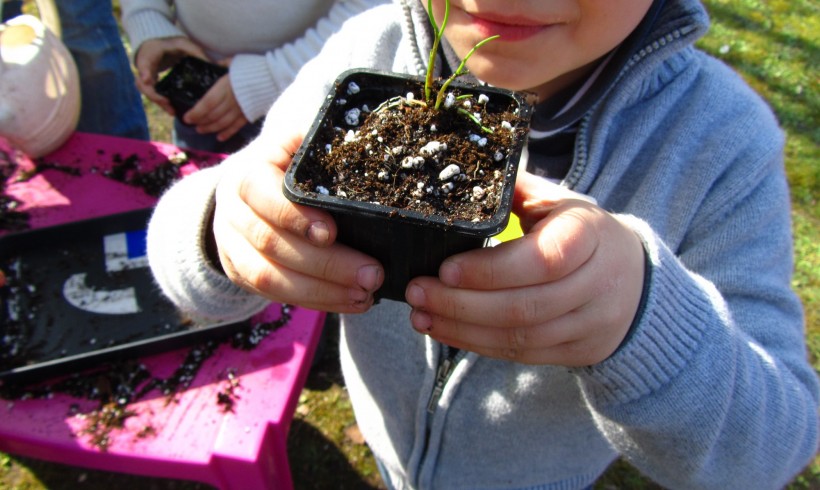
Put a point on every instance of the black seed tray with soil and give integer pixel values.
(188, 81)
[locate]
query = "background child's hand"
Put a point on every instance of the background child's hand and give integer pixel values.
(217, 111)
(565, 294)
(283, 251)
(157, 55)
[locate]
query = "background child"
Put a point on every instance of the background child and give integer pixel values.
(658, 325)
(264, 43)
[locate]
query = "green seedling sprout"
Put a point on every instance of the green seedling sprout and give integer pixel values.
(428, 80)
(460, 71)
(439, 32)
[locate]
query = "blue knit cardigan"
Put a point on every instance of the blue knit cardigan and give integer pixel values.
(712, 389)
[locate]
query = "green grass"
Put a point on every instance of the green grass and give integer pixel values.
(773, 44)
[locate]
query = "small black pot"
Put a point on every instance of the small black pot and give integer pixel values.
(407, 243)
(188, 81)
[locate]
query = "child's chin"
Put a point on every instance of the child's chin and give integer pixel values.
(503, 80)
(502, 74)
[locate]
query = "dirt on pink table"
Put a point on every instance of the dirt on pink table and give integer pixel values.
(189, 435)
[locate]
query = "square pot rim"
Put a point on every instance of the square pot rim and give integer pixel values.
(483, 228)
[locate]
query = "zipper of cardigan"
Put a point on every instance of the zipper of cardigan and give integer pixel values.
(447, 364)
(445, 369)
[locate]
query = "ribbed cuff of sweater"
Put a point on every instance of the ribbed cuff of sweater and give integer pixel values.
(178, 259)
(148, 24)
(667, 335)
(253, 86)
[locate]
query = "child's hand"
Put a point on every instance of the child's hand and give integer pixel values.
(217, 111)
(564, 294)
(157, 55)
(283, 251)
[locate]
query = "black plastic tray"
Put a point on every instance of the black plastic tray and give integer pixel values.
(188, 81)
(81, 294)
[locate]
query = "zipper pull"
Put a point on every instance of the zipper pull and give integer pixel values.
(442, 374)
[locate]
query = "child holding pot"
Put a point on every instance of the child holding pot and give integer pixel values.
(264, 43)
(658, 324)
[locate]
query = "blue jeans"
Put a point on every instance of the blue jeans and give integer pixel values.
(11, 9)
(111, 103)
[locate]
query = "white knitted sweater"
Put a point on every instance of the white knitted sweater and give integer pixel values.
(268, 40)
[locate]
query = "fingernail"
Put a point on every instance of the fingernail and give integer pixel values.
(358, 296)
(421, 321)
(415, 295)
(318, 233)
(369, 277)
(450, 273)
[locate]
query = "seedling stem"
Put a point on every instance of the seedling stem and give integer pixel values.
(439, 32)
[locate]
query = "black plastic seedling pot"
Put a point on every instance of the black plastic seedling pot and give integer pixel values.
(407, 243)
(188, 81)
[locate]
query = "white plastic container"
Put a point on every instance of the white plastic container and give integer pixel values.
(39, 87)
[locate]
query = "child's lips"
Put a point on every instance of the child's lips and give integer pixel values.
(509, 28)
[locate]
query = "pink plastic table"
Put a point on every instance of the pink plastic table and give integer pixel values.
(195, 438)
